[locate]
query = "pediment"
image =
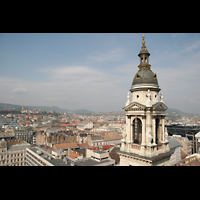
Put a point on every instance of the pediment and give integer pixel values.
(134, 106)
(160, 106)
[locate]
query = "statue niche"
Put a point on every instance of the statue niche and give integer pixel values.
(137, 131)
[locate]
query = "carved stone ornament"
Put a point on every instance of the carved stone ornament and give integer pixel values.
(150, 137)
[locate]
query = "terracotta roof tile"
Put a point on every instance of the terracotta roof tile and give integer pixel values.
(73, 155)
(64, 124)
(66, 145)
(83, 145)
(183, 155)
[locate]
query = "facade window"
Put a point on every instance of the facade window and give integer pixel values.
(137, 96)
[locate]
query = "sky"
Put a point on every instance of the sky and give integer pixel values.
(95, 71)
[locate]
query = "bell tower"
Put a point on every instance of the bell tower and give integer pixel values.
(144, 139)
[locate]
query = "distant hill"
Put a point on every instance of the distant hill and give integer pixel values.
(171, 110)
(48, 108)
(5, 106)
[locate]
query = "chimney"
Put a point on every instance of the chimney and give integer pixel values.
(69, 152)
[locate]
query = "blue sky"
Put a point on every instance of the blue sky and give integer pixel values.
(94, 71)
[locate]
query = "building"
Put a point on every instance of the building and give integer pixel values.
(35, 156)
(25, 134)
(191, 160)
(175, 147)
(186, 145)
(97, 158)
(144, 142)
(197, 136)
(8, 136)
(83, 126)
(13, 155)
(65, 146)
(95, 140)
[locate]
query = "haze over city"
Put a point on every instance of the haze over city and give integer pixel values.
(94, 71)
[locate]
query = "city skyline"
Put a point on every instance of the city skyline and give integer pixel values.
(95, 71)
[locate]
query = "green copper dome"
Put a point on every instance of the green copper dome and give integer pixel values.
(145, 76)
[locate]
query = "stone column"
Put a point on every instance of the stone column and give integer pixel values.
(154, 129)
(148, 124)
(143, 130)
(131, 127)
(128, 128)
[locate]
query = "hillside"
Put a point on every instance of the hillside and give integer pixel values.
(5, 106)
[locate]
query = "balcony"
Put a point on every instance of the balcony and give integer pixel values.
(135, 146)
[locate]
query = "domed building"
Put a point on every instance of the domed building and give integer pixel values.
(3, 144)
(145, 140)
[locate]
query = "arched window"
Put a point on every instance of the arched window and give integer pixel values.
(137, 131)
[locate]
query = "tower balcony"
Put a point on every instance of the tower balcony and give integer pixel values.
(147, 150)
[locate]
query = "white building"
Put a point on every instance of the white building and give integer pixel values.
(96, 158)
(83, 126)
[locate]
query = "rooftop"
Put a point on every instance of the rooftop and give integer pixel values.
(192, 160)
(45, 155)
(92, 162)
(66, 145)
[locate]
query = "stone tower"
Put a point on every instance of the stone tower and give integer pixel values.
(144, 140)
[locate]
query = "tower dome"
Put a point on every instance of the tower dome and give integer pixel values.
(145, 78)
(3, 144)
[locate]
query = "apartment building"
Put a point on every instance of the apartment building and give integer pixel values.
(185, 143)
(13, 155)
(35, 156)
(25, 134)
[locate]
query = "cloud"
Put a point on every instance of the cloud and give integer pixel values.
(74, 72)
(112, 55)
(179, 83)
(71, 87)
(191, 46)
(19, 90)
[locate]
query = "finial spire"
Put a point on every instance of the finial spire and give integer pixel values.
(143, 42)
